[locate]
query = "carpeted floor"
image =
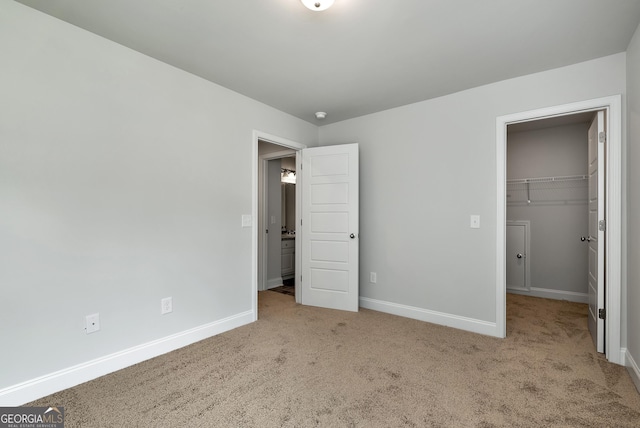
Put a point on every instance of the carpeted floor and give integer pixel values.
(300, 366)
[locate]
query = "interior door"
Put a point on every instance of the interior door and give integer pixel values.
(596, 241)
(516, 256)
(329, 241)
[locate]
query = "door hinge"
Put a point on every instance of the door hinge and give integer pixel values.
(602, 314)
(300, 222)
(602, 137)
(300, 278)
(602, 225)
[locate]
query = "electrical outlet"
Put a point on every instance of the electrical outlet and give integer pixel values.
(373, 277)
(475, 222)
(166, 305)
(92, 323)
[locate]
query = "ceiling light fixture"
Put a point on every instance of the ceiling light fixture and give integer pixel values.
(321, 115)
(317, 5)
(287, 176)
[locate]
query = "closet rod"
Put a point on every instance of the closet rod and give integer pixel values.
(547, 179)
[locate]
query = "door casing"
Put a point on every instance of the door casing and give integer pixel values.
(613, 212)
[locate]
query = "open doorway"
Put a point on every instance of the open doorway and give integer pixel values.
(548, 207)
(268, 148)
(329, 231)
(612, 106)
(272, 214)
(277, 213)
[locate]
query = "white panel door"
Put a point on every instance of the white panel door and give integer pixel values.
(330, 227)
(596, 235)
(516, 256)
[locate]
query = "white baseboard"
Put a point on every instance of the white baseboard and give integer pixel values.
(549, 293)
(632, 368)
(455, 321)
(274, 282)
(33, 389)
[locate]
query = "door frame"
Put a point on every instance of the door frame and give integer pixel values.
(613, 211)
(527, 252)
(255, 181)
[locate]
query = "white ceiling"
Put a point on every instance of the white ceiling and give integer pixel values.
(360, 56)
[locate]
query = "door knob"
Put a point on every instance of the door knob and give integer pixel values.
(352, 236)
(585, 238)
(519, 255)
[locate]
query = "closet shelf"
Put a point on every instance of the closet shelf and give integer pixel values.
(549, 190)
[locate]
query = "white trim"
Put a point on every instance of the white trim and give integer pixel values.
(625, 355)
(259, 135)
(501, 228)
(33, 389)
(298, 245)
(613, 239)
(632, 368)
(549, 293)
(613, 257)
(274, 282)
(434, 317)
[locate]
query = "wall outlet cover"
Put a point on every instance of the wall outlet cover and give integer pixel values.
(166, 305)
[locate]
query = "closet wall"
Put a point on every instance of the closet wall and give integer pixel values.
(545, 185)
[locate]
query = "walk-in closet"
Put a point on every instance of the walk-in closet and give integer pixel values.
(548, 208)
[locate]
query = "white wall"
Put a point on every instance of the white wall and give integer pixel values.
(116, 191)
(425, 168)
(558, 212)
(633, 207)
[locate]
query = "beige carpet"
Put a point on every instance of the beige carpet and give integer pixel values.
(301, 366)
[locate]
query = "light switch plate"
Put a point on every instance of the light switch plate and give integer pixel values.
(92, 323)
(246, 220)
(475, 222)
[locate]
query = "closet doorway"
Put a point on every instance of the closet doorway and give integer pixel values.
(611, 232)
(548, 207)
